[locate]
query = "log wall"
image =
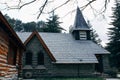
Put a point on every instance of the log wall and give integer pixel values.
(11, 49)
(6, 66)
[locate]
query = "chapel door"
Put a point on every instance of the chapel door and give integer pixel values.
(99, 65)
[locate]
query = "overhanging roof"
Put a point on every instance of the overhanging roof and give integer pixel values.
(67, 50)
(10, 30)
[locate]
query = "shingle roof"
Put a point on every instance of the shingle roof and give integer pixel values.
(23, 36)
(80, 22)
(10, 30)
(66, 49)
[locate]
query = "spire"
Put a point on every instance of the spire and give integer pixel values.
(80, 22)
(80, 30)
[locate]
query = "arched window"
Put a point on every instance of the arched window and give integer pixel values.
(28, 58)
(40, 58)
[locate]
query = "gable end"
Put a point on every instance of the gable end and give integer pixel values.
(35, 33)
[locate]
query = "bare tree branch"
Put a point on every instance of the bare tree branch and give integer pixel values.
(26, 3)
(42, 8)
(105, 5)
(18, 6)
(93, 9)
(60, 6)
(69, 13)
(51, 1)
(83, 7)
(19, 3)
(104, 8)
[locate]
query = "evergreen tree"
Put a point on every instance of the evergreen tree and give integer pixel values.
(10, 20)
(53, 25)
(114, 38)
(18, 26)
(41, 26)
(29, 27)
(94, 36)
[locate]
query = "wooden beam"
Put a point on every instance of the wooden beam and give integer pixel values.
(3, 61)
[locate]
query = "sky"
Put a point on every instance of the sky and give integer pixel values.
(29, 13)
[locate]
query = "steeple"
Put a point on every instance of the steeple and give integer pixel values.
(80, 29)
(80, 22)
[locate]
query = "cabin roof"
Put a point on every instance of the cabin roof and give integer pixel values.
(65, 49)
(10, 30)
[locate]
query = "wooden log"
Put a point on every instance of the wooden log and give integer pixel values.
(5, 45)
(3, 73)
(8, 69)
(3, 53)
(3, 64)
(3, 69)
(12, 70)
(3, 61)
(3, 37)
(3, 50)
(3, 56)
(2, 47)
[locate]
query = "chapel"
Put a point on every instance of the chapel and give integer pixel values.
(71, 54)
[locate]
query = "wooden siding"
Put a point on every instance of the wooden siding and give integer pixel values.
(11, 49)
(5, 68)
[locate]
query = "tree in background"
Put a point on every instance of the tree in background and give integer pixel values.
(29, 27)
(114, 38)
(10, 20)
(94, 36)
(18, 26)
(53, 25)
(41, 26)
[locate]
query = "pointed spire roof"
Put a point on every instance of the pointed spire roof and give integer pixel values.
(80, 22)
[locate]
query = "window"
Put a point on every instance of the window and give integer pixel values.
(40, 58)
(28, 59)
(82, 35)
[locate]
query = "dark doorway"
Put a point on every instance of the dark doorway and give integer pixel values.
(99, 65)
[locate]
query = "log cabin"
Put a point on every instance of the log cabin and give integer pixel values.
(11, 49)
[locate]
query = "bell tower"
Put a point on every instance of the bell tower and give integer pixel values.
(80, 30)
